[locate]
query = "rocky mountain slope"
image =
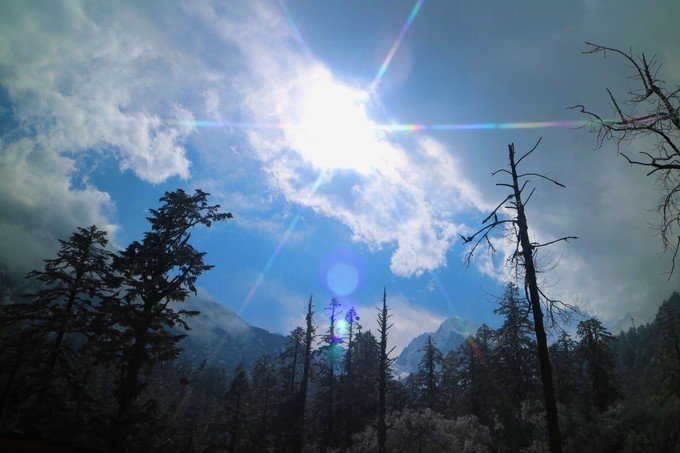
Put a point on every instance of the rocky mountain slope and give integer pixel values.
(450, 334)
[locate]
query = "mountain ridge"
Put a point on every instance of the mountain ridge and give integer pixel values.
(220, 337)
(449, 335)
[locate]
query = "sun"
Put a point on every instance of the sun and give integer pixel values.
(333, 130)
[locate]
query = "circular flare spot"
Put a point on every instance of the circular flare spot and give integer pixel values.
(342, 279)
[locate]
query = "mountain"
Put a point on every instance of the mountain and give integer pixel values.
(450, 334)
(220, 337)
(630, 319)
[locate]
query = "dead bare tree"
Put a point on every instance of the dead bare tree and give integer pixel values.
(524, 259)
(651, 110)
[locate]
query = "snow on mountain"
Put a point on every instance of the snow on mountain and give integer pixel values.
(450, 334)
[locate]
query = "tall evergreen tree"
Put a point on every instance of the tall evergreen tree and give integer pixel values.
(331, 359)
(429, 373)
(567, 380)
(668, 356)
(468, 372)
(310, 336)
(515, 358)
(237, 403)
(291, 358)
(264, 387)
(352, 321)
(384, 326)
(73, 285)
(349, 397)
(159, 271)
(598, 362)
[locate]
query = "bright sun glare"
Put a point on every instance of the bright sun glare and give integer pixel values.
(333, 129)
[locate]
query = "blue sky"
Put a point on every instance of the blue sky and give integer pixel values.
(105, 106)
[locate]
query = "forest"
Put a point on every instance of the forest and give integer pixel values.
(93, 359)
(99, 349)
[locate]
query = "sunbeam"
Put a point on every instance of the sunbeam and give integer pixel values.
(277, 250)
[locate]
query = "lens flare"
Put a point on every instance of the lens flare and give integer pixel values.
(294, 27)
(406, 127)
(395, 46)
(342, 272)
(277, 250)
(342, 279)
(341, 327)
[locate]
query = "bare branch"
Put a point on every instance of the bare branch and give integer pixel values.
(650, 111)
(529, 152)
(542, 176)
(565, 239)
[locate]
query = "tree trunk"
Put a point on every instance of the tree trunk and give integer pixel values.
(56, 347)
(530, 281)
(130, 379)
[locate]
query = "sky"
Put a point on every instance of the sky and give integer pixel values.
(318, 124)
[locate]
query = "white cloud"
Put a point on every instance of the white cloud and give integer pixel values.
(81, 77)
(92, 87)
(409, 321)
(407, 196)
(79, 80)
(38, 205)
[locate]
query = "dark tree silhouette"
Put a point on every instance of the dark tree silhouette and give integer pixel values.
(523, 258)
(352, 320)
(429, 373)
(237, 404)
(331, 351)
(514, 353)
(566, 373)
(310, 336)
(73, 285)
(264, 386)
(384, 370)
(650, 110)
(668, 364)
(349, 397)
(467, 374)
(598, 362)
(160, 270)
(291, 356)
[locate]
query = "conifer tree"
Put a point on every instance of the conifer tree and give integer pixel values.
(429, 373)
(237, 404)
(310, 336)
(291, 358)
(384, 326)
(515, 359)
(593, 348)
(472, 364)
(331, 359)
(264, 386)
(159, 271)
(349, 399)
(567, 381)
(668, 356)
(352, 320)
(73, 285)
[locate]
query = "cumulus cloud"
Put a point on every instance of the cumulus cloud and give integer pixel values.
(402, 195)
(39, 205)
(77, 81)
(80, 78)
